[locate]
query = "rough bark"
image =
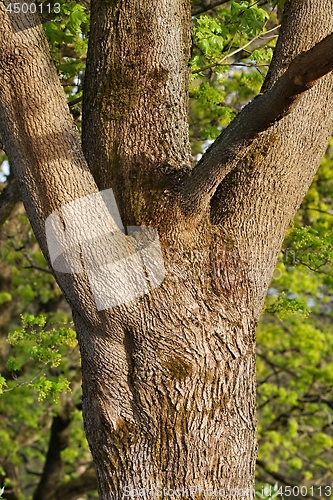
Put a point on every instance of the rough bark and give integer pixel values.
(136, 109)
(278, 101)
(9, 199)
(168, 379)
(280, 164)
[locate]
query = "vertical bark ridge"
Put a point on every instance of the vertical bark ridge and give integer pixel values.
(135, 131)
(192, 386)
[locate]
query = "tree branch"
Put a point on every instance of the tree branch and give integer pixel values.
(59, 440)
(9, 198)
(77, 487)
(206, 5)
(265, 110)
(281, 478)
(228, 57)
(34, 266)
(42, 141)
(256, 43)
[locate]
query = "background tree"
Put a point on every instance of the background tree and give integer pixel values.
(169, 390)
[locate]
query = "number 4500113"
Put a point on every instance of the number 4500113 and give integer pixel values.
(25, 8)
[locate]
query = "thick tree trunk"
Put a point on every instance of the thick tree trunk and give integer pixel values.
(190, 356)
(168, 379)
(188, 419)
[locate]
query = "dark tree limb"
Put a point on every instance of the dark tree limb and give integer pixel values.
(316, 398)
(206, 5)
(9, 198)
(12, 491)
(77, 487)
(279, 477)
(47, 488)
(265, 110)
(53, 467)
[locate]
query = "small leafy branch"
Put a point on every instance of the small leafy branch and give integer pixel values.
(235, 45)
(45, 347)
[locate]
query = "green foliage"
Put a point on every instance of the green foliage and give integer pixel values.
(235, 24)
(224, 75)
(210, 36)
(295, 347)
(5, 297)
(43, 346)
(69, 26)
(3, 383)
(21, 254)
(247, 17)
(67, 33)
(281, 305)
(39, 363)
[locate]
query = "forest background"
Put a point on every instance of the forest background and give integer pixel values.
(44, 453)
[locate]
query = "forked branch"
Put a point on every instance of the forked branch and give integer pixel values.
(265, 110)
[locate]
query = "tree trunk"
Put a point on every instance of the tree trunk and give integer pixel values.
(169, 378)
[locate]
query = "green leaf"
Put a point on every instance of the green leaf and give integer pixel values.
(77, 17)
(5, 297)
(3, 383)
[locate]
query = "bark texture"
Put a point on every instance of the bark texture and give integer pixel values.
(169, 379)
(9, 199)
(278, 167)
(135, 100)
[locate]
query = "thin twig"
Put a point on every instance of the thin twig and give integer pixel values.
(318, 210)
(27, 382)
(246, 65)
(75, 101)
(226, 57)
(34, 266)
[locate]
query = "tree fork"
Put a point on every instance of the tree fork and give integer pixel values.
(168, 379)
(265, 110)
